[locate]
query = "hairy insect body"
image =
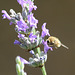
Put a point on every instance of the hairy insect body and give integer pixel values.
(53, 41)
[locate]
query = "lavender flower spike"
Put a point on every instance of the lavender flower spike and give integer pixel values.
(20, 66)
(37, 60)
(29, 38)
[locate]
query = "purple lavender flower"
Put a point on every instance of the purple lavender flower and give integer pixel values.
(24, 61)
(21, 35)
(45, 31)
(33, 22)
(32, 37)
(32, 52)
(46, 47)
(17, 42)
(5, 15)
(22, 26)
(28, 3)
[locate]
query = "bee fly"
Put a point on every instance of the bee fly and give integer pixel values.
(53, 41)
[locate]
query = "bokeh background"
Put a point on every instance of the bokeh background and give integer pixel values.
(60, 18)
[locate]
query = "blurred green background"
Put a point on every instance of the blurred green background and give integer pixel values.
(60, 18)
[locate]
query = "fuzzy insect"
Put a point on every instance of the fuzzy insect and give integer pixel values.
(54, 41)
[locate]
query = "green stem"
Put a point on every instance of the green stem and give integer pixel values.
(34, 30)
(38, 51)
(43, 70)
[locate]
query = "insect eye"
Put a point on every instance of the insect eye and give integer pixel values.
(47, 41)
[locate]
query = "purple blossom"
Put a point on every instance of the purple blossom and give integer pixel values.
(21, 2)
(29, 3)
(24, 61)
(32, 6)
(5, 15)
(17, 42)
(32, 52)
(22, 26)
(32, 37)
(21, 35)
(45, 31)
(32, 20)
(46, 47)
